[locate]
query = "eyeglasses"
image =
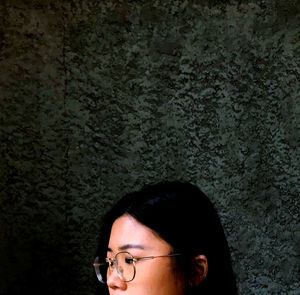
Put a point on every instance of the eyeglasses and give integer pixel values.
(124, 263)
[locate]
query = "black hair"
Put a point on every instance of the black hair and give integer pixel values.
(182, 215)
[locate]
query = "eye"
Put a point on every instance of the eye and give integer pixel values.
(129, 260)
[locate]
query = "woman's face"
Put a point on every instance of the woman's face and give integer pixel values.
(153, 277)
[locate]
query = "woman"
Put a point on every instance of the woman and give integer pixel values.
(165, 239)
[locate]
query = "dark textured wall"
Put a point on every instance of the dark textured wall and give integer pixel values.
(99, 99)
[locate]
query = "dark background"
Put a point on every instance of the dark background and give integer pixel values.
(101, 97)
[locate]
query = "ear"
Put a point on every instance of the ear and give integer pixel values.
(200, 269)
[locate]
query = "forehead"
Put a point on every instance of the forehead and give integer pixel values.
(126, 230)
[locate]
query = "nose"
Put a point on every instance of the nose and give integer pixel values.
(114, 281)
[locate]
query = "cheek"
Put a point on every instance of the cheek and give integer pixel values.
(153, 271)
(156, 279)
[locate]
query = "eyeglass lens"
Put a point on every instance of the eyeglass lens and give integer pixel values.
(124, 264)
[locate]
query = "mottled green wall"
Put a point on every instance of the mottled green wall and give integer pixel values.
(99, 99)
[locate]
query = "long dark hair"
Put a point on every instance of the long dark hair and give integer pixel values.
(184, 217)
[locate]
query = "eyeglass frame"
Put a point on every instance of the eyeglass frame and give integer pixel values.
(113, 262)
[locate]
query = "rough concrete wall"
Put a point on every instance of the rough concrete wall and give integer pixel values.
(99, 99)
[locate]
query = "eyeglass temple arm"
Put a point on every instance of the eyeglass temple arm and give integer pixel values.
(141, 258)
(152, 257)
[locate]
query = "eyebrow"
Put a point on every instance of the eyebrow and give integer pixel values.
(129, 246)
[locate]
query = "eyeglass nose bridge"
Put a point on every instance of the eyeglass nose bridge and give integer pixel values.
(113, 264)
